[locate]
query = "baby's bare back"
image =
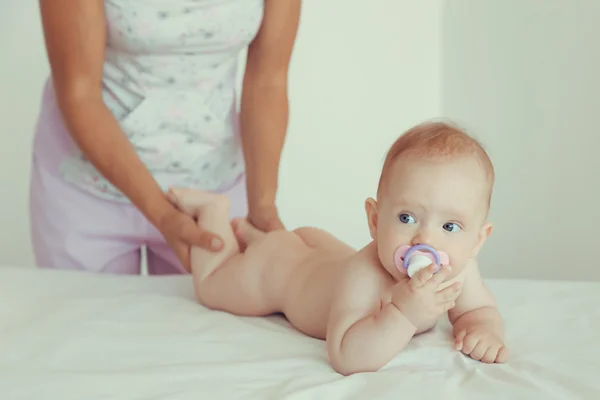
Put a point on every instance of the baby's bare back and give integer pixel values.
(311, 261)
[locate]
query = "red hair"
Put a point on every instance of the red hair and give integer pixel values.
(437, 140)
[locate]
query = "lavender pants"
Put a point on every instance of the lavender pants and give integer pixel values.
(72, 229)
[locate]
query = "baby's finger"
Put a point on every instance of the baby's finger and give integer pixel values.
(458, 340)
(440, 277)
(422, 276)
(479, 350)
(469, 344)
(503, 355)
(450, 293)
(490, 355)
(447, 306)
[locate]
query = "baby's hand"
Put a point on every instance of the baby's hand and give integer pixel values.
(481, 344)
(418, 298)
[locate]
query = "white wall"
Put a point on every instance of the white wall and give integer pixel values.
(23, 69)
(360, 75)
(524, 75)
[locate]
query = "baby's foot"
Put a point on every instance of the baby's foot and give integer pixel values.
(246, 232)
(190, 201)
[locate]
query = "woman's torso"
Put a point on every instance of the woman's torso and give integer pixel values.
(170, 77)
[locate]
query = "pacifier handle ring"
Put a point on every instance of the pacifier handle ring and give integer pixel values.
(426, 248)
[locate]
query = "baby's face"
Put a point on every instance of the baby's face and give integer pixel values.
(441, 204)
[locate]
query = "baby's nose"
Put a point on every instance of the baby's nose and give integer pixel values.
(421, 238)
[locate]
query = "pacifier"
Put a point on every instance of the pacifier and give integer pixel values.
(410, 259)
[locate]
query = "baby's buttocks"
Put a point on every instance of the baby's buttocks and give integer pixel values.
(170, 80)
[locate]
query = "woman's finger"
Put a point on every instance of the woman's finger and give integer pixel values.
(193, 235)
(177, 197)
(172, 198)
(184, 257)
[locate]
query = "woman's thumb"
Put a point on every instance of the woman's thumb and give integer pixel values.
(198, 237)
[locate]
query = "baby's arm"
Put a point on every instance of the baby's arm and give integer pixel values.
(477, 325)
(362, 336)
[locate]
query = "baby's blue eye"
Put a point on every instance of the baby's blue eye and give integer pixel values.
(406, 218)
(451, 227)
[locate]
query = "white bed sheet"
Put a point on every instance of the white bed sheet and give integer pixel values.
(70, 335)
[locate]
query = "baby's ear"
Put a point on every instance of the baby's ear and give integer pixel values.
(484, 234)
(371, 210)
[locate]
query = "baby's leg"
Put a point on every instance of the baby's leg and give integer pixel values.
(227, 280)
(212, 211)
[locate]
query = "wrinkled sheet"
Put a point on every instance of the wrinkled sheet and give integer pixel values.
(73, 335)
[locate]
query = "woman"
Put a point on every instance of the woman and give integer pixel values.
(142, 98)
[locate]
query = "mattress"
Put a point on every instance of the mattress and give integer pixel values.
(74, 335)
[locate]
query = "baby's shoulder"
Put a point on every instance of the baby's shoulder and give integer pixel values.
(359, 286)
(364, 272)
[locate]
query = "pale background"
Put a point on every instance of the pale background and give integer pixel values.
(521, 74)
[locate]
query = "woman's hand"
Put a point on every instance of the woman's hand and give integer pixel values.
(181, 232)
(265, 218)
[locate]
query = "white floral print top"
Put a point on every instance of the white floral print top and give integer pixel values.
(170, 80)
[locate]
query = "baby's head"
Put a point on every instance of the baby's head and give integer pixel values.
(435, 189)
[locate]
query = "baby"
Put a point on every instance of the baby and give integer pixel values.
(434, 190)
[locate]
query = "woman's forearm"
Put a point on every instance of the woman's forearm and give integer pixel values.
(264, 120)
(75, 38)
(100, 138)
(264, 109)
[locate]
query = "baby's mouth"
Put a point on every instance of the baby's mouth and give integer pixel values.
(422, 252)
